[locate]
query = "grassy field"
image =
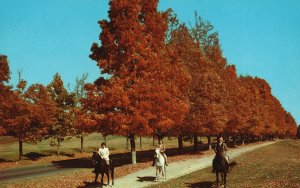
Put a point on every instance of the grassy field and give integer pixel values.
(117, 144)
(274, 166)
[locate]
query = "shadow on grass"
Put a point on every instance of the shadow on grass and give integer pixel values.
(146, 179)
(61, 153)
(204, 184)
(74, 163)
(232, 165)
(35, 156)
(4, 160)
(90, 185)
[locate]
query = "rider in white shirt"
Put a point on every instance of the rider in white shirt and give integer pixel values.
(104, 152)
(162, 151)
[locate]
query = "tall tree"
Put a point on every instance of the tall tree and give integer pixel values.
(42, 110)
(235, 103)
(63, 126)
(140, 97)
(25, 114)
(82, 118)
(190, 55)
(213, 92)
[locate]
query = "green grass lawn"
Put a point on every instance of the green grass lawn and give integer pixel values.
(274, 166)
(9, 146)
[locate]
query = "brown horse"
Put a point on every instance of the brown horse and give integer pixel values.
(221, 168)
(102, 168)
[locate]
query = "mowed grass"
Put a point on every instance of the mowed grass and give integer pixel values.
(9, 150)
(273, 166)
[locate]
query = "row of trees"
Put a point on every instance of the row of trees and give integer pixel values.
(162, 79)
(168, 80)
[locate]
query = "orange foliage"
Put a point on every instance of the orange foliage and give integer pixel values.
(144, 92)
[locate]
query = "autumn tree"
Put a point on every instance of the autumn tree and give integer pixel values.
(16, 114)
(212, 94)
(140, 97)
(192, 57)
(25, 114)
(200, 54)
(82, 119)
(64, 115)
(291, 126)
(235, 104)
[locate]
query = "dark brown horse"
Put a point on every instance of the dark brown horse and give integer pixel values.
(221, 168)
(102, 168)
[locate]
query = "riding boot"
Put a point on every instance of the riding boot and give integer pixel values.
(213, 165)
(153, 162)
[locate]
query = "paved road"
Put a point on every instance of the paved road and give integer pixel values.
(146, 176)
(21, 173)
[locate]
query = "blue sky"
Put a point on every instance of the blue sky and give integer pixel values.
(261, 37)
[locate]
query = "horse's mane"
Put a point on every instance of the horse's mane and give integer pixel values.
(96, 156)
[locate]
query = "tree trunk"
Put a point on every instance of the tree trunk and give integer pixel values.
(153, 140)
(58, 147)
(243, 140)
(127, 143)
(20, 149)
(234, 141)
(209, 142)
(140, 142)
(132, 145)
(81, 144)
(226, 139)
(105, 140)
(159, 140)
(180, 144)
(195, 142)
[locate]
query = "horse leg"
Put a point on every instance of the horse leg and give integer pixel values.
(107, 174)
(96, 176)
(102, 176)
(156, 174)
(222, 179)
(217, 177)
(112, 176)
(165, 172)
(225, 176)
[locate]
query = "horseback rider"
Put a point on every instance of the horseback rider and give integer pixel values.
(221, 148)
(104, 152)
(162, 152)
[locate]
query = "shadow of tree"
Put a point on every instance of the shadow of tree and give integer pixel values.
(4, 160)
(35, 156)
(204, 184)
(146, 178)
(75, 163)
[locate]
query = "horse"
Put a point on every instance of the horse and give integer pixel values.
(160, 165)
(221, 168)
(102, 168)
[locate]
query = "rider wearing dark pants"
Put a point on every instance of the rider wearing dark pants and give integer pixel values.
(221, 147)
(162, 151)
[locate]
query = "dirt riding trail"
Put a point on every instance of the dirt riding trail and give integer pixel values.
(146, 176)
